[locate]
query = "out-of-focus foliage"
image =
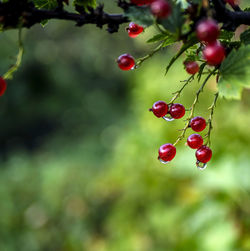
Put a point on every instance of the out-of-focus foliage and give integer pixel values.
(79, 167)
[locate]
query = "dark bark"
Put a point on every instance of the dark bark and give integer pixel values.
(21, 12)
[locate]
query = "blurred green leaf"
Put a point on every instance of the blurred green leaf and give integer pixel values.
(140, 15)
(175, 21)
(235, 73)
(45, 4)
(167, 39)
(85, 3)
(226, 35)
(245, 37)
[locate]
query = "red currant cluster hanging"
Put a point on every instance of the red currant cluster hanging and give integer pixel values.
(210, 52)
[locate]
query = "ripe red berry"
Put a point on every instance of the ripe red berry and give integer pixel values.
(192, 67)
(203, 154)
(167, 152)
(3, 86)
(134, 29)
(141, 2)
(214, 53)
(126, 62)
(160, 8)
(207, 30)
(160, 109)
(198, 124)
(195, 141)
(177, 111)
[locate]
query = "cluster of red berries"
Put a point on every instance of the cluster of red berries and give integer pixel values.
(207, 32)
(168, 151)
(3, 86)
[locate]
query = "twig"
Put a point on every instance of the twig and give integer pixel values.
(177, 93)
(141, 60)
(210, 125)
(193, 107)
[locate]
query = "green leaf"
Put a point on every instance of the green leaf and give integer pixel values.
(167, 39)
(226, 35)
(245, 37)
(140, 15)
(235, 73)
(157, 38)
(175, 21)
(45, 4)
(85, 3)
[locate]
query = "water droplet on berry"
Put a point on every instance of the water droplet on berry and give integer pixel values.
(168, 119)
(201, 165)
(162, 161)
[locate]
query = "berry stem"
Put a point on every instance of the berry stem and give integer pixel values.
(182, 135)
(210, 125)
(14, 68)
(178, 93)
(141, 60)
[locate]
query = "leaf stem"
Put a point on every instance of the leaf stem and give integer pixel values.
(14, 68)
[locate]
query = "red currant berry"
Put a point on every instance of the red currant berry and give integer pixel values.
(141, 2)
(203, 154)
(177, 111)
(198, 124)
(207, 30)
(214, 53)
(160, 8)
(195, 141)
(167, 152)
(3, 86)
(126, 62)
(160, 109)
(192, 67)
(134, 29)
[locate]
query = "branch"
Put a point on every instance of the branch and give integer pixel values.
(15, 11)
(231, 20)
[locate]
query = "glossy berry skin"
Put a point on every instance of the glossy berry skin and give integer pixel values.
(198, 124)
(177, 111)
(134, 29)
(160, 109)
(214, 53)
(3, 86)
(207, 31)
(192, 67)
(160, 8)
(203, 154)
(195, 141)
(141, 2)
(167, 152)
(126, 62)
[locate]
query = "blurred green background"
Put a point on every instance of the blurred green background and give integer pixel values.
(79, 168)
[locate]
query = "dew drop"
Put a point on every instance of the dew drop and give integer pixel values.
(168, 119)
(162, 161)
(201, 165)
